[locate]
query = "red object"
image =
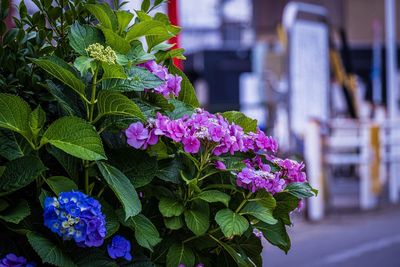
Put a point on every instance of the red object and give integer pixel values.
(173, 14)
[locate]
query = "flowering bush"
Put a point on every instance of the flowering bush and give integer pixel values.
(106, 158)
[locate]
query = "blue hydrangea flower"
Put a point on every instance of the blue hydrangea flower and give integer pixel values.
(12, 260)
(74, 215)
(119, 248)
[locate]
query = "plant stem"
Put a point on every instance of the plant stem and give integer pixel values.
(101, 192)
(93, 96)
(197, 236)
(62, 21)
(86, 164)
(86, 167)
(243, 202)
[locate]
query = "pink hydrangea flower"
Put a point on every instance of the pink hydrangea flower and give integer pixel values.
(176, 130)
(137, 135)
(220, 165)
(191, 144)
(172, 83)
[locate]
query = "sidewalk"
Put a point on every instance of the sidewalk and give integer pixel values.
(365, 239)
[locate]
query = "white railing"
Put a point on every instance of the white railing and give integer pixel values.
(374, 147)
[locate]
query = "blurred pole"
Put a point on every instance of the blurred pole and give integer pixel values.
(392, 86)
(377, 64)
(391, 57)
(173, 14)
(367, 198)
(315, 170)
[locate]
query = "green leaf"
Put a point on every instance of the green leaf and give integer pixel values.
(43, 195)
(14, 114)
(285, 204)
(16, 213)
(70, 164)
(275, 234)
(146, 233)
(232, 252)
(162, 47)
(154, 40)
(248, 124)
(187, 93)
(158, 2)
(180, 254)
(169, 171)
(265, 199)
(146, 28)
(112, 222)
(3, 204)
(170, 207)
(81, 36)
(13, 145)
(116, 42)
(113, 103)
(171, 31)
(92, 257)
(59, 184)
(231, 223)
(143, 16)
(68, 101)
(137, 54)
(37, 118)
(173, 223)
(84, 63)
(170, 54)
(258, 211)
(104, 15)
(300, 190)
(124, 18)
(60, 70)
(76, 137)
(137, 165)
(48, 251)
(20, 173)
(160, 101)
(113, 71)
(160, 151)
(180, 110)
(215, 196)
(197, 218)
(138, 79)
(252, 247)
(122, 188)
(145, 5)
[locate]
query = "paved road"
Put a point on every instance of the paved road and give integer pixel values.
(369, 239)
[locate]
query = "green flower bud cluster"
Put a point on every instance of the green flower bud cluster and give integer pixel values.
(97, 51)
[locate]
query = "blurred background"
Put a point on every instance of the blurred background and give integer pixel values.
(322, 77)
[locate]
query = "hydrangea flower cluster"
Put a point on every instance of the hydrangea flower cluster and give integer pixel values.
(293, 170)
(258, 175)
(119, 247)
(201, 127)
(12, 260)
(74, 215)
(97, 51)
(216, 132)
(172, 83)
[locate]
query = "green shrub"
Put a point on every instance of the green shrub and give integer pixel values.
(77, 84)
